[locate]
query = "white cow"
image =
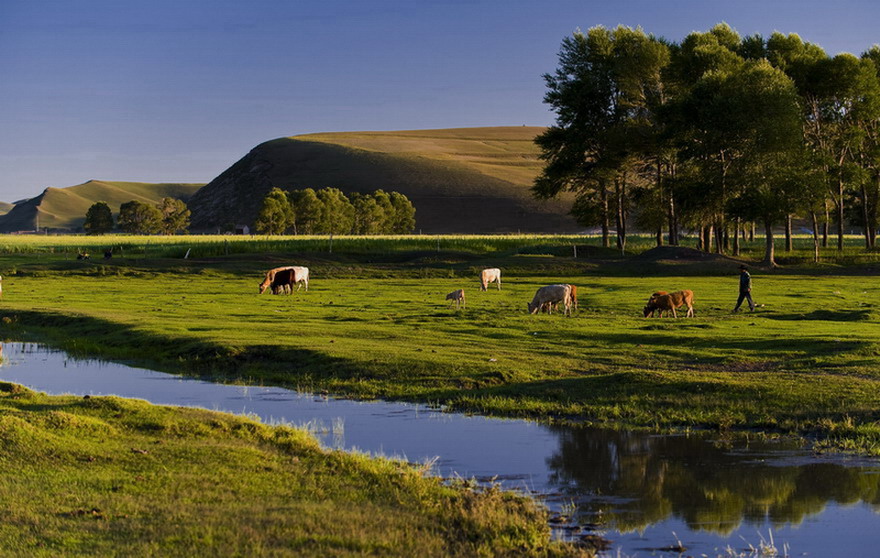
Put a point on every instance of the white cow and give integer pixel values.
(301, 276)
(488, 275)
(550, 295)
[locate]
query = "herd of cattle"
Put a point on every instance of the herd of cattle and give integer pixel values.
(282, 280)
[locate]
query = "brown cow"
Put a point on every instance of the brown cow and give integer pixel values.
(651, 300)
(669, 302)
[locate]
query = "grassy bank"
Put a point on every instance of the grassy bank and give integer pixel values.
(104, 476)
(375, 324)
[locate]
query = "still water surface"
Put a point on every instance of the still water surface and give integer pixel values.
(643, 492)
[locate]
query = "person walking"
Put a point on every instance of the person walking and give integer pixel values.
(745, 289)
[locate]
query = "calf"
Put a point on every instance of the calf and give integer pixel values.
(669, 302)
(457, 298)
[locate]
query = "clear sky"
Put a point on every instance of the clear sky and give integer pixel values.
(178, 90)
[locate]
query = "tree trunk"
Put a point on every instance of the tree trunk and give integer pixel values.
(865, 225)
(752, 232)
(788, 240)
(603, 198)
(815, 236)
(620, 187)
(840, 216)
(825, 230)
(737, 226)
(659, 235)
(769, 254)
(718, 229)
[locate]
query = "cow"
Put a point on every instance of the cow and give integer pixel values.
(669, 302)
(551, 294)
(282, 279)
(488, 275)
(651, 300)
(457, 298)
(574, 301)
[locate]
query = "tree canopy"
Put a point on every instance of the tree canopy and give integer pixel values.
(713, 131)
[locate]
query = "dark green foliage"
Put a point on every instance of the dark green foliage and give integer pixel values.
(276, 215)
(137, 217)
(99, 219)
(175, 216)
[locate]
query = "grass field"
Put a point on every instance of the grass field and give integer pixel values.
(375, 324)
(104, 476)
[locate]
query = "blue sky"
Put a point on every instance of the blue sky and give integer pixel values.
(168, 91)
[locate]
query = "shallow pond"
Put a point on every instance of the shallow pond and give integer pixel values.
(645, 493)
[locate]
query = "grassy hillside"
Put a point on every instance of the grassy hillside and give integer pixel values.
(473, 180)
(5, 207)
(65, 208)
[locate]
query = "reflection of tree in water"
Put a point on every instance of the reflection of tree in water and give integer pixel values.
(632, 480)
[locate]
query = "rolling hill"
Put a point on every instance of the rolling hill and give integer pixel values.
(65, 208)
(466, 180)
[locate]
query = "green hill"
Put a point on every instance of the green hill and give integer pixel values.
(65, 208)
(470, 180)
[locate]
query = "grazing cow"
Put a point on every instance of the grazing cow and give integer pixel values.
(488, 275)
(551, 294)
(669, 302)
(457, 298)
(282, 279)
(574, 300)
(651, 302)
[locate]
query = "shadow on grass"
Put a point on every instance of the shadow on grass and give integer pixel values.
(861, 315)
(84, 336)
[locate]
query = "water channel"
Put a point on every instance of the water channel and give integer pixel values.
(645, 493)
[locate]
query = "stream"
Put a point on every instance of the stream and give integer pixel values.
(646, 494)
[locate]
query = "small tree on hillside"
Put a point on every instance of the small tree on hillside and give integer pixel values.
(175, 216)
(139, 218)
(99, 219)
(276, 215)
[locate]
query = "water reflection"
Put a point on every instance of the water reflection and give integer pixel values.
(630, 480)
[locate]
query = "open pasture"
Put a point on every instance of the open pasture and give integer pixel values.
(375, 323)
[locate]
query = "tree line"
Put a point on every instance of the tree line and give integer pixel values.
(330, 211)
(170, 216)
(713, 134)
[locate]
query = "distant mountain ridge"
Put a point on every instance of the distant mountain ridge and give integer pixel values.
(64, 209)
(464, 180)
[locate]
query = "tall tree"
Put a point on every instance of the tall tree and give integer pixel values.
(576, 148)
(404, 216)
(337, 213)
(99, 219)
(175, 215)
(306, 210)
(369, 216)
(276, 213)
(137, 217)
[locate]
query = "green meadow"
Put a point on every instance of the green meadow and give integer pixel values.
(104, 476)
(375, 324)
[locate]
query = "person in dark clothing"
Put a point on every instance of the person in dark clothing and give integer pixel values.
(745, 289)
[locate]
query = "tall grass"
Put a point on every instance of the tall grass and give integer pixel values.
(212, 246)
